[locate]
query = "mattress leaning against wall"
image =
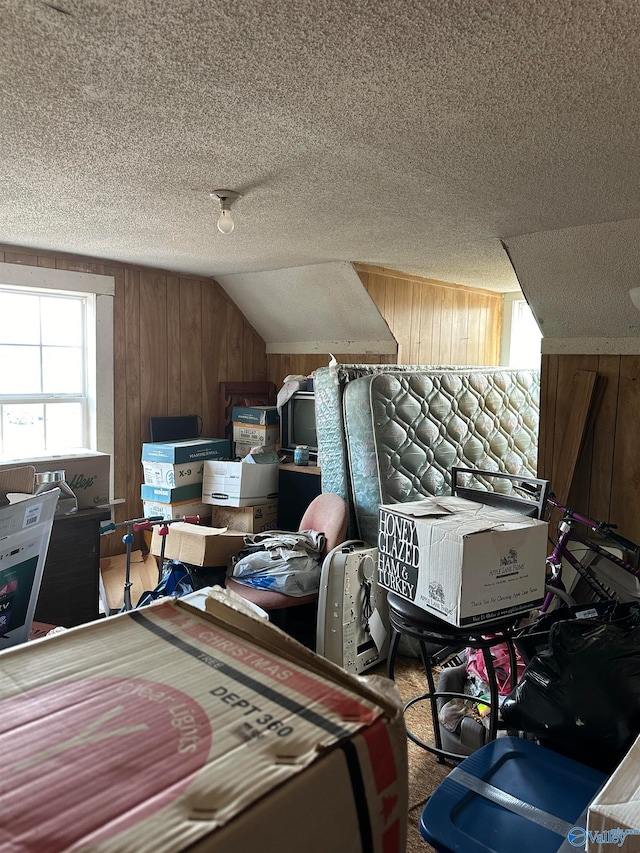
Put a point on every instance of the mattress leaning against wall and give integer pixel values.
(329, 385)
(404, 431)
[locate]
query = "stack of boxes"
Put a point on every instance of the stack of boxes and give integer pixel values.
(244, 495)
(255, 426)
(173, 476)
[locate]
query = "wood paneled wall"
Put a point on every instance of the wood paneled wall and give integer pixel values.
(281, 365)
(607, 478)
(434, 322)
(175, 338)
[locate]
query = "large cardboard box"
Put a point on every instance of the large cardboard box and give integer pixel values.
(186, 450)
(255, 435)
(86, 471)
(261, 415)
(248, 519)
(239, 483)
(198, 545)
(613, 818)
(170, 729)
(460, 560)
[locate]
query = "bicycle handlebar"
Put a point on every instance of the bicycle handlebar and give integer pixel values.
(601, 527)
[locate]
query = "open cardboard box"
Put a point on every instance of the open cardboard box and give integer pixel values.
(143, 574)
(16, 481)
(462, 561)
(169, 729)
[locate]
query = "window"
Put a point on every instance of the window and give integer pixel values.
(54, 388)
(521, 336)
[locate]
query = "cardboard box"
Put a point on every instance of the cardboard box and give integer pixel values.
(143, 574)
(25, 530)
(150, 509)
(198, 545)
(86, 471)
(165, 495)
(16, 481)
(460, 560)
(242, 450)
(261, 415)
(613, 818)
(169, 476)
(239, 483)
(184, 730)
(248, 519)
(256, 436)
(187, 450)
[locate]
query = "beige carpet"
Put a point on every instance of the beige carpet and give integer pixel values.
(425, 773)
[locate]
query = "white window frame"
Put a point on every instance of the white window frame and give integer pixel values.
(511, 303)
(99, 338)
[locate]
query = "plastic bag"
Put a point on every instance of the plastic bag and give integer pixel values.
(281, 562)
(176, 581)
(581, 695)
(477, 666)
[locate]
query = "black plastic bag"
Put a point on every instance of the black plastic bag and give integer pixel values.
(581, 695)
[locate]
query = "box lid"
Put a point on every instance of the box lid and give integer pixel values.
(185, 450)
(461, 516)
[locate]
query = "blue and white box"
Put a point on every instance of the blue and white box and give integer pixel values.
(164, 495)
(189, 450)
(169, 476)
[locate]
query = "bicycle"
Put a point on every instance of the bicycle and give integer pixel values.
(583, 558)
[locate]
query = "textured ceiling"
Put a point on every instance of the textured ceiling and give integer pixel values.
(410, 135)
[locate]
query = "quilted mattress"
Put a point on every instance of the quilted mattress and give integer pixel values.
(404, 430)
(329, 384)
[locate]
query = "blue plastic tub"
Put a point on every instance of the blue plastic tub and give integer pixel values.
(510, 796)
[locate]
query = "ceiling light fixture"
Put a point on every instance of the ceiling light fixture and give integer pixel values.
(226, 199)
(634, 293)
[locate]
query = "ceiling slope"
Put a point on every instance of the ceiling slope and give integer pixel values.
(321, 308)
(577, 281)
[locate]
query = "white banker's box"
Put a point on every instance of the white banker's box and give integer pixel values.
(239, 483)
(462, 561)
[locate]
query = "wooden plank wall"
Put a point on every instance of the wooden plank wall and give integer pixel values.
(286, 364)
(175, 338)
(434, 322)
(607, 478)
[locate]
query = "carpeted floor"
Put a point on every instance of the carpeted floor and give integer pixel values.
(425, 773)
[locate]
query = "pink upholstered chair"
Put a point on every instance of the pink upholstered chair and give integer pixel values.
(329, 514)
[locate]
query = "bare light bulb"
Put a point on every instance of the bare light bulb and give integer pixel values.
(225, 222)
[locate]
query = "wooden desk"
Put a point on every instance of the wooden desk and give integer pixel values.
(298, 485)
(70, 586)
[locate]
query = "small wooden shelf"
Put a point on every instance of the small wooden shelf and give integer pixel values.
(301, 469)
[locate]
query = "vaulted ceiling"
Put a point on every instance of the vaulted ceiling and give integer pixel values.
(419, 136)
